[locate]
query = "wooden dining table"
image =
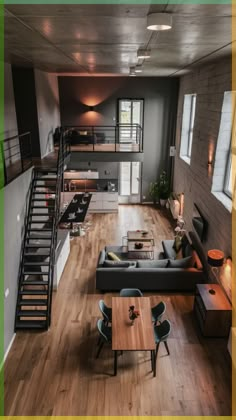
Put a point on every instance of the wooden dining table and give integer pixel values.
(128, 337)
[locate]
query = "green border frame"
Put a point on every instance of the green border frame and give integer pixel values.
(104, 2)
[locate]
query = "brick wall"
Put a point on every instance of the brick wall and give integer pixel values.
(195, 180)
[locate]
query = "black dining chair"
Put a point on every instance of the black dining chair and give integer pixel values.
(161, 333)
(131, 293)
(106, 312)
(105, 335)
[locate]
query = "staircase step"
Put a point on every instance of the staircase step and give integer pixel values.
(33, 292)
(38, 221)
(42, 192)
(34, 283)
(42, 214)
(35, 273)
(33, 302)
(43, 199)
(42, 207)
(37, 246)
(39, 237)
(36, 254)
(32, 313)
(39, 230)
(34, 325)
(43, 264)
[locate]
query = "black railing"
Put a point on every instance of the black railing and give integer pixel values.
(17, 156)
(63, 152)
(105, 138)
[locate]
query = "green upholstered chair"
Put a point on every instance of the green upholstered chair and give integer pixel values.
(161, 333)
(130, 293)
(158, 311)
(106, 312)
(105, 335)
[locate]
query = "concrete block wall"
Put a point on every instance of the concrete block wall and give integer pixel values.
(209, 82)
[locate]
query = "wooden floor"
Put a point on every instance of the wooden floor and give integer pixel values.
(56, 373)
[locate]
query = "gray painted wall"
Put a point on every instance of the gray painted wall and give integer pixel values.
(47, 97)
(15, 198)
(10, 122)
(160, 99)
(195, 180)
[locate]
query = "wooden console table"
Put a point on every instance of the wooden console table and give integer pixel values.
(213, 311)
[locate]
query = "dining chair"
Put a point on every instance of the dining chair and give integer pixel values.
(106, 312)
(161, 333)
(157, 312)
(131, 293)
(105, 335)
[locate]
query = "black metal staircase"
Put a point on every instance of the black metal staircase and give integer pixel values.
(34, 300)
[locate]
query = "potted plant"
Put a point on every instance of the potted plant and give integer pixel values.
(163, 188)
(154, 192)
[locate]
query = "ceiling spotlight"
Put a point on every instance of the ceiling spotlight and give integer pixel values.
(138, 68)
(132, 71)
(159, 21)
(142, 53)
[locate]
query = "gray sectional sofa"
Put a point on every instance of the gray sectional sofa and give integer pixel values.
(165, 274)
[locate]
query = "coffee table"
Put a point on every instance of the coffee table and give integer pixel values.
(140, 236)
(146, 249)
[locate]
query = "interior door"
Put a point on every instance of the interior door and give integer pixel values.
(130, 111)
(130, 182)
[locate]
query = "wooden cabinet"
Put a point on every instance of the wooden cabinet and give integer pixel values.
(103, 202)
(213, 311)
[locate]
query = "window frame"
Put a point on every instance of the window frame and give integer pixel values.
(186, 140)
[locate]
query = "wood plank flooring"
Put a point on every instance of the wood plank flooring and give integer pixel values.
(56, 373)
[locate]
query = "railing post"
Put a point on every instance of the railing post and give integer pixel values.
(4, 163)
(22, 164)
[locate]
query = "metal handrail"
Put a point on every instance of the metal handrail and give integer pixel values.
(24, 160)
(135, 132)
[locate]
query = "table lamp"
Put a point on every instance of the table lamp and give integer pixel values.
(215, 259)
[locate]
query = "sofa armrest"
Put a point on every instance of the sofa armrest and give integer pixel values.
(101, 258)
(168, 249)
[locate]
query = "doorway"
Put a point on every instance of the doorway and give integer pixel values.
(130, 112)
(130, 182)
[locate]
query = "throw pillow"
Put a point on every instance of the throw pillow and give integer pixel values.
(152, 264)
(116, 264)
(177, 243)
(179, 254)
(112, 256)
(183, 263)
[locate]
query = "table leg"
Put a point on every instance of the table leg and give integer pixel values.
(115, 362)
(154, 362)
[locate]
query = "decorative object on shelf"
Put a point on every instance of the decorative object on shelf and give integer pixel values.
(133, 314)
(138, 245)
(215, 258)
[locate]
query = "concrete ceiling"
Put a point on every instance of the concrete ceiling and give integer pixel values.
(104, 39)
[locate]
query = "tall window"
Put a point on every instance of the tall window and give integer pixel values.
(222, 183)
(187, 127)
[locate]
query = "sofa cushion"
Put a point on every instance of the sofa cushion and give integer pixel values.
(112, 256)
(182, 263)
(168, 248)
(118, 264)
(177, 243)
(152, 263)
(187, 251)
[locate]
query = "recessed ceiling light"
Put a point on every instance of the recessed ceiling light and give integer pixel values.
(138, 68)
(159, 21)
(132, 71)
(142, 53)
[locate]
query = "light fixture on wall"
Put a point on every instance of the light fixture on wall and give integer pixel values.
(143, 53)
(215, 258)
(132, 71)
(159, 21)
(91, 108)
(138, 68)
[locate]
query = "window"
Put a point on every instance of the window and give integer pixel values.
(222, 183)
(187, 127)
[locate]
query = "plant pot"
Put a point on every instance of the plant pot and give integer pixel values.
(163, 202)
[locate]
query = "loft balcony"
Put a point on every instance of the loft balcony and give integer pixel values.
(127, 138)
